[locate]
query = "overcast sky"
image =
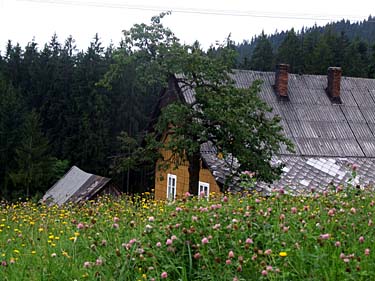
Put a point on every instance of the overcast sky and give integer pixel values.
(207, 21)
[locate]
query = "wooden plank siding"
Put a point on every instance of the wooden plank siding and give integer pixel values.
(182, 174)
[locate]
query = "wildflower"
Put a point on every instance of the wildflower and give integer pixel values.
(281, 217)
(4, 263)
(249, 241)
(367, 251)
(254, 257)
(16, 251)
(197, 256)
(80, 225)
(86, 264)
(151, 219)
(116, 219)
(264, 272)
(325, 236)
(331, 212)
(230, 254)
(205, 240)
(346, 260)
(148, 228)
(283, 254)
(353, 210)
(337, 243)
(293, 210)
(269, 268)
(216, 226)
(115, 225)
(164, 275)
(104, 242)
(158, 244)
(174, 237)
(132, 241)
(225, 199)
(53, 255)
(169, 242)
(99, 262)
(268, 252)
(361, 239)
(228, 262)
(187, 194)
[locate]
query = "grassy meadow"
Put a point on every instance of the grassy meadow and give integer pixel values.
(327, 236)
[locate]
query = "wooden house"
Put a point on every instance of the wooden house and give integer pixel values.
(329, 118)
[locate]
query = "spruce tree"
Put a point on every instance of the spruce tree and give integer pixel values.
(290, 52)
(34, 163)
(262, 57)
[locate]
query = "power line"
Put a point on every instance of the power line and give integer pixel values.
(214, 12)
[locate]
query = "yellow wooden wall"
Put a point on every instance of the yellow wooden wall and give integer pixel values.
(182, 174)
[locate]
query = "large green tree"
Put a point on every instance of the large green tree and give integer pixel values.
(233, 120)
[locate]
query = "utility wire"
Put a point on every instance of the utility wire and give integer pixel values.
(215, 12)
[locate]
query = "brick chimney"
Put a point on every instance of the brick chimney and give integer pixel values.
(281, 81)
(333, 86)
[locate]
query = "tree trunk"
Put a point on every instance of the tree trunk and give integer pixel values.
(194, 168)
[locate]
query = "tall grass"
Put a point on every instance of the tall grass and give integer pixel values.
(326, 236)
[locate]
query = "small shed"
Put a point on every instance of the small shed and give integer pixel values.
(77, 185)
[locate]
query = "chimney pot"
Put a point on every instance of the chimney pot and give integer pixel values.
(281, 81)
(333, 85)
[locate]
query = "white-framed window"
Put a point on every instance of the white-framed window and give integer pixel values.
(171, 187)
(204, 188)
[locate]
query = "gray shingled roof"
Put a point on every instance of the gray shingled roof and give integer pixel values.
(333, 136)
(74, 186)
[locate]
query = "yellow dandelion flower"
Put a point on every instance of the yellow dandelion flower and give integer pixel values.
(16, 251)
(283, 254)
(33, 252)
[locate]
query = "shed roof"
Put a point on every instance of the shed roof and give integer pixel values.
(74, 186)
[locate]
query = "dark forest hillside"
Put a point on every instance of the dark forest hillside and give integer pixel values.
(313, 49)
